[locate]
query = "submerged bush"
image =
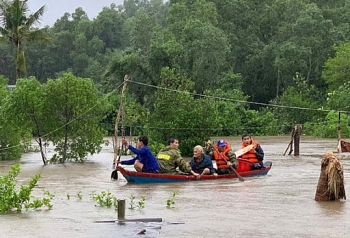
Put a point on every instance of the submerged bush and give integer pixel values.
(17, 199)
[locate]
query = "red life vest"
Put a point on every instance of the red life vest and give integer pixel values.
(250, 155)
(221, 163)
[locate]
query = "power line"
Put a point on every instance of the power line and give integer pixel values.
(234, 100)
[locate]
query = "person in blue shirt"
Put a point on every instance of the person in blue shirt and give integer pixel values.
(144, 160)
(201, 163)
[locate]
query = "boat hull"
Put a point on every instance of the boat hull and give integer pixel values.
(343, 146)
(144, 178)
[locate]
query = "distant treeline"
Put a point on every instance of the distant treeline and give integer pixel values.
(232, 66)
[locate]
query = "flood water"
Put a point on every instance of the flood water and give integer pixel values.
(280, 204)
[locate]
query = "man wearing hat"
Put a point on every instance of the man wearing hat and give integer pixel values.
(224, 156)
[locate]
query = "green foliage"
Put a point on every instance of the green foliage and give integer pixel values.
(328, 127)
(140, 204)
(79, 195)
(336, 70)
(179, 114)
(339, 98)
(25, 106)
(105, 199)
(239, 50)
(73, 112)
(12, 199)
(10, 147)
(156, 147)
(259, 123)
(300, 96)
(18, 26)
(170, 202)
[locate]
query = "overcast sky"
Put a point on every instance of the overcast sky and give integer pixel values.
(56, 8)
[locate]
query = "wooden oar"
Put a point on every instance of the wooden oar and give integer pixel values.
(114, 174)
(233, 169)
(244, 150)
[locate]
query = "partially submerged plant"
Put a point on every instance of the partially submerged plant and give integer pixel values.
(79, 195)
(105, 199)
(12, 199)
(140, 204)
(170, 202)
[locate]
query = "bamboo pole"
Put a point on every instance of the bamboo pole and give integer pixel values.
(120, 111)
(339, 129)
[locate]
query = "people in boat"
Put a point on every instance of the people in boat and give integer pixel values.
(255, 155)
(224, 156)
(144, 160)
(170, 159)
(202, 163)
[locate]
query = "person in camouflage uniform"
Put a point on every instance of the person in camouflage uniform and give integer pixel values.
(170, 160)
(224, 156)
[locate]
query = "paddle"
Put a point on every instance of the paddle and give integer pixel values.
(222, 157)
(244, 150)
(114, 174)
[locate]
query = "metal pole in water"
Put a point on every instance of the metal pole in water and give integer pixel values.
(121, 209)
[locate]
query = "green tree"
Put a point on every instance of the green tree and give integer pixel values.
(18, 27)
(337, 69)
(300, 103)
(338, 100)
(26, 106)
(10, 139)
(74, 109)
(178, 114)
(205, 47)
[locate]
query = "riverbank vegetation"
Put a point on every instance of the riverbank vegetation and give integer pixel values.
(198, 68)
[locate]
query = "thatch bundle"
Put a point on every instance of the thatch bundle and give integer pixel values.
(330, 185)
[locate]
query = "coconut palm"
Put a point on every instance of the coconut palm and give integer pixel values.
(17, 25)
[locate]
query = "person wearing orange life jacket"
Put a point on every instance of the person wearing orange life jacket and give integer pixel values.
(224, 148)
(255, 155)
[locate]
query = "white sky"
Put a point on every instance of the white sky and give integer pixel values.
(56, 8)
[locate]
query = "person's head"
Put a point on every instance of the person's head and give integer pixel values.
(247, 139)
(221, 145)
(142, 141)
(198, 151)
(174, 143)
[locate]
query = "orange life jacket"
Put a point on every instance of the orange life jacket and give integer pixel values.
(250, 155)
(221, 163)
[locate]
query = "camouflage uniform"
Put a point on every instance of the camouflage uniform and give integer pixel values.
(230, 154)
(170, 159)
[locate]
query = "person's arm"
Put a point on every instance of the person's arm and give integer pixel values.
(209, 149)
(135, 150)
(129, 162)
(259, 153)
(232, 156)
(183, 165)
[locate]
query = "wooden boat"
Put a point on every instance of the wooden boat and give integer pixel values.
(244, 169)
(343, 146)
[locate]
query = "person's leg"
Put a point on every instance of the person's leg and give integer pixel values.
(138, 166)
(206, 171)
(223, 171)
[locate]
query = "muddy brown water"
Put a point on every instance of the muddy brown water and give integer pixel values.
(280, 204)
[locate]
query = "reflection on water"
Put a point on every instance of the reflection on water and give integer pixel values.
(332, 208)
(280, 204)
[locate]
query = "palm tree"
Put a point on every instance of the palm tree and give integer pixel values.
(16, 26)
